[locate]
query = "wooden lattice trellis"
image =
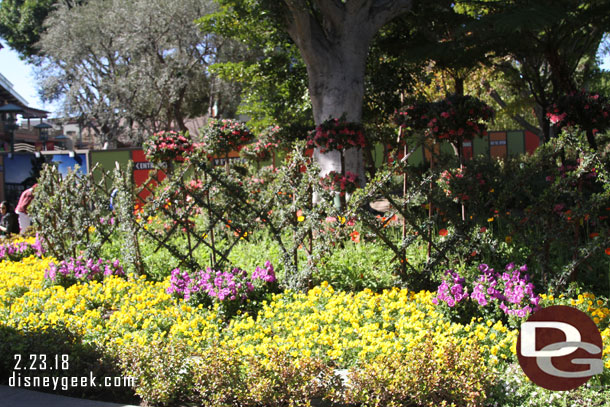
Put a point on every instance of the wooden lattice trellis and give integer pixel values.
(233, 210)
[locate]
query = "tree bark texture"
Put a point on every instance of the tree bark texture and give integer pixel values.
(333, 38)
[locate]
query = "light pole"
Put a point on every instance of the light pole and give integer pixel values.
(9, 113)
(43, 133)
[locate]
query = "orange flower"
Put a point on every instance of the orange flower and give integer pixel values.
(443, 232)
(608, 251)
(355, 236)
(594, 234)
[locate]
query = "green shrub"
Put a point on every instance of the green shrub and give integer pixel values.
(218, 378)
(514, 389)
(357, 266)
(549, 210)
(70, 213)
(159, 368)
(222, 379)
(284, 381)
(431, 374)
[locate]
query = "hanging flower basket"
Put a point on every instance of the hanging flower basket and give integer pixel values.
(167, 146)
(459, 118)
(263, 147)
(335, 181)
(413, 116)
(454, 119)
(336, 134)
(588, 111)
(223, 136)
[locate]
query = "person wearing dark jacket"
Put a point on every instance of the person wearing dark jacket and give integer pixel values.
(9, 221)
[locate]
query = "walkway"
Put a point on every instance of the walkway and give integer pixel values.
(16, 397)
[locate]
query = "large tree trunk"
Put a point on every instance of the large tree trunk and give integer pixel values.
(336, 90)
(333, 38)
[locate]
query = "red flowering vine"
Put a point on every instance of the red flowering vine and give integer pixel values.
(264, 145)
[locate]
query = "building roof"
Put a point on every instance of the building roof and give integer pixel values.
(10, 95)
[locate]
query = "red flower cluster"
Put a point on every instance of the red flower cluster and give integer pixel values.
(414, 116)
(335, 181)
(262, 148)
(455, 118)
(445, 181)
(335, 134)
(168, 145)
(589, 111)
(223, 136)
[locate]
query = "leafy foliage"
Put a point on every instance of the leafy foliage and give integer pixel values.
(21, 23)
(589, 112)
(271, 72)
(68, 210)
(128, 69)
(159, 366)
(267, 144)
(455, 118)
(428, 375)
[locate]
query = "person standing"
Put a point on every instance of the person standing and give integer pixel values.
(9, 222)
(22, 208)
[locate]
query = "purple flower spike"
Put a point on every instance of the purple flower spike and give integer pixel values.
(79, 269)
(511, 291)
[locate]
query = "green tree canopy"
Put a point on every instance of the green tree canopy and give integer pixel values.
(547, 48)
(127, 69)
(21, 22)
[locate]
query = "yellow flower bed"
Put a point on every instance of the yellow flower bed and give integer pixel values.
(111, 312)
(346, 327)
(341, 328)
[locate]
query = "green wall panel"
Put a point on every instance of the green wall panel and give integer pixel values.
(416, 158)
(516, 143)
(107, 159)
(480, 145)
(378, 155)
(447, 148)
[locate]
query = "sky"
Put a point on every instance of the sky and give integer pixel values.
(22, 76)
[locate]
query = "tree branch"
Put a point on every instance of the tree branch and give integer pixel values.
(382, 11)
(518, 118)
(354, 6)
(332, 10)
(298, 19)
(305, 30)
